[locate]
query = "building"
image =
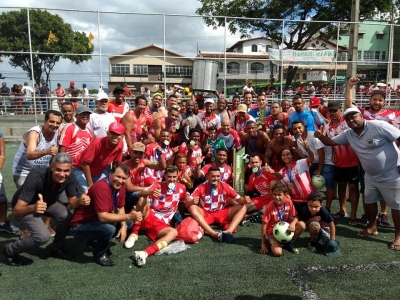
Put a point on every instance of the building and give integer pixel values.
(373, 49)
(145, 67)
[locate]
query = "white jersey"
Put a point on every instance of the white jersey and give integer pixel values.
(99, 123)
(21, 165)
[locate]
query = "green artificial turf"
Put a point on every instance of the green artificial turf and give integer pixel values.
(208, 270)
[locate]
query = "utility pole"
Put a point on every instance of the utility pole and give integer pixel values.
(353, 40)
(391, 41)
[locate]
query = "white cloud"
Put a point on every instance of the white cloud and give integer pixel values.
(124, 32)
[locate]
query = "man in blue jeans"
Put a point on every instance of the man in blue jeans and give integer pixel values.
(96, 223)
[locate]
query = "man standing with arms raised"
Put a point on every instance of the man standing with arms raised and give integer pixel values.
(118, 107)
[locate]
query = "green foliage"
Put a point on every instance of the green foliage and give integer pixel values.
(267, 16)
(14, 37)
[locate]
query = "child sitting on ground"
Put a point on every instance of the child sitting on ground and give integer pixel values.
(281, 209)
(319, 221)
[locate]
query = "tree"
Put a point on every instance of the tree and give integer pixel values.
(297, 32)
(14, 37)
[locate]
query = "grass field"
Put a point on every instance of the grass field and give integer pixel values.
(209, 270)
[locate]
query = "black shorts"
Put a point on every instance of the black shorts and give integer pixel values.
(347, 174)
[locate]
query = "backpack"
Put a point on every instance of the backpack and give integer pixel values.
(189, 231)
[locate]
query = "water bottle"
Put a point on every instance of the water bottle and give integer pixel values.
(174, 247)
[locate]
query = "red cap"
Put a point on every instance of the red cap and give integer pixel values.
(199, 98)
(116, 128)
(314, 102)
(72, 83)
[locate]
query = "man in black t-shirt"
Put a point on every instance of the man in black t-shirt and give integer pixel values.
(39, 196)
(43, 104)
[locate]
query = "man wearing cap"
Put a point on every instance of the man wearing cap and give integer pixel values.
(346, 164)
(374, 144)
(240, 119)
(376, 111)
(311, 89)
(76, 137)
(94, 162)
(100, 119)
(118, 107)
(208, 117)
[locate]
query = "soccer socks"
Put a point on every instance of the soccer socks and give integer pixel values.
(136, 227)
(152, 249)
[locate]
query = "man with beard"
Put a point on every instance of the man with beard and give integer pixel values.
(189, 121)
(118, 107)
(255, 141)
(94, 162)
(240, 119)
(375, 145)
(279, 141)
(100, 119)
(248, 100)
(221, 163)
(135, 122)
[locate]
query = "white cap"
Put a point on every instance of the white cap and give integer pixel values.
(351, 110)
(310, 83)
(101, 95)
(209, 100)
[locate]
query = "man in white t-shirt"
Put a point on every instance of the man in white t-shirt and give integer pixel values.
(28, 92)
(248, 88)
(100, 119)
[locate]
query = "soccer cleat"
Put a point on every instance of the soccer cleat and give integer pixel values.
(8, 227)
(312, 246)
(290, 247)
(12, 260)
(140, 257)
(130, 242)
(383, 220)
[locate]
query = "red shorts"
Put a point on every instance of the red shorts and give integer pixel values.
(219, 217)
(260, 201)
(152, 226)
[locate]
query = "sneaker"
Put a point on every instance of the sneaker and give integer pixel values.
(25, 233)
(51, 230)
(249, 218)
(312, 246)
(290, 247)
(12, 260)
(256, 217)
(363, 221)
(130, 242)
(8, 227)
(383, 220)
(140, 257)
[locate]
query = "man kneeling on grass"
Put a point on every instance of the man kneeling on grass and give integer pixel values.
(157, 214)
(281, 209)
(219, 204)
(97, 223)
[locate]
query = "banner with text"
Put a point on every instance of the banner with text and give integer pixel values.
(238, 170)
(301, 57)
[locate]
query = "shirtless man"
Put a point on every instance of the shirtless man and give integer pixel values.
(255, 141)
(275, 146)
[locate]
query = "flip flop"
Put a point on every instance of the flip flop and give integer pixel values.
(353, 222)
(365, 234)
(339, 215)
(395, 247)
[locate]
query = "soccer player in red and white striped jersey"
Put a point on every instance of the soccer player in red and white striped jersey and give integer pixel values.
(221, 163)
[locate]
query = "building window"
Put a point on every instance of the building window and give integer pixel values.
(304, 76)
(377, 55)
(140, 69)
(368, 55)
(256, 68)
(384, 55)
(220, 67)
(119, 69)
(358, 55)
(233, 68)
(179, 70)
(254, 48)
(297, 76)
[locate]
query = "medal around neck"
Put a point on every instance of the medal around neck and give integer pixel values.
(171, 186)
(214, 183)
(255, 170)
(166, 143)
(177, 126)
(192, 143)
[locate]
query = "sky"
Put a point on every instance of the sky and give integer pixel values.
(120, 32)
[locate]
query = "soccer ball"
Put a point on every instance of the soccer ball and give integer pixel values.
(246, 158)
(318, 181)
(281, 232)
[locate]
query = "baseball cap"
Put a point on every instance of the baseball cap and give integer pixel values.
(118, 88)
(382, 93)
(334, 105)
(332, 249)
(138, 146)
(72, 83)
(315, 101)
(116, 128)
(209, 100)
(310, 83)
(81, 109)
(84, 84)
(242, 108)
(351, 110)
(101, 95)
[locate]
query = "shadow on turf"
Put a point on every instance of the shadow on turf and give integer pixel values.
(268, 297)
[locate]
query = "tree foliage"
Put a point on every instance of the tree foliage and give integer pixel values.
(14, 37)
(297, 29)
